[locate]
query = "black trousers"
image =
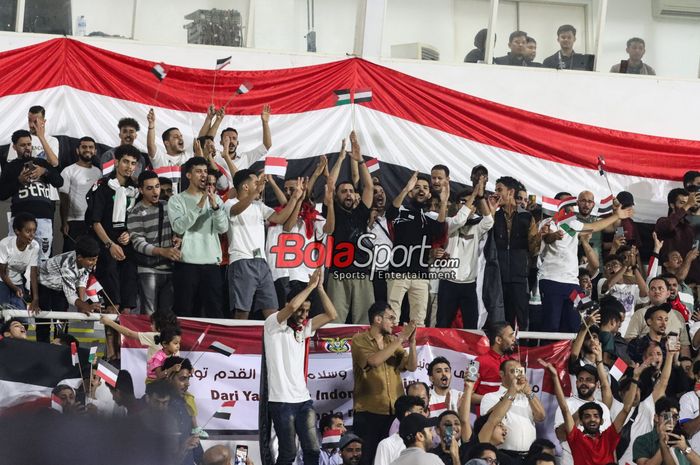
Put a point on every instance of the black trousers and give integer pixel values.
(49, 300)
(452, 296)
(198, 290)
(76, 229)
(119, 279)
(516, 299)
(371, 428)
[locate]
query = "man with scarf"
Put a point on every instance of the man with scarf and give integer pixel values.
(413, 229)
(290, 405)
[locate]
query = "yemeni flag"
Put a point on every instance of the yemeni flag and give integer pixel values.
(372, 165)
(221, 348)
(618, 369)
(30, 370)
(108, 167)
(276, 166)
(74, 354)
(363, 95)
(567, 202)
(224, 412)
(342, 96)
(606, 206)
(92, 289)
(93, 355)
(331, 437)
(169, 171)
(107, 372)
(222, 63)
(159, 71)
(550, 205)
(56, 403)
(576, 297)
(244, 88)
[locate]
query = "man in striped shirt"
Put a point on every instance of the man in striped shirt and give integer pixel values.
(151, 237)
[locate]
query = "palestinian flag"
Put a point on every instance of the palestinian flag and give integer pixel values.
(363, 95)
(170, 171)
(568, 222)
(107, 372)
(567, 202)
(93, 288)
(93, 355)
(108, 167)
(224, 412)
(159, 71)
(276, 166)
(56, 403)
(74, 354)
(618, 369)
(550, 205)
(244, 88)
(576, 297)
(372, 165)
(606, 206)
(223, 349)
(342, 96)
(331, 437)
(222, 63)
(42, 367)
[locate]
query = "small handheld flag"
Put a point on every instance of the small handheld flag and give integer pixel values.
(363, 95)
(170, 171)
(576, 296)
(568, 222)
(159, 71)
(567, 202)
(342, 97)
(331, 437)
(74, 354)
(244, 88)
(276, 166)
(224, 412)
(93, 355)
(223, 349)
(372, 165)
(56, 403)
(107, 372)
(201, 336)
(221, 63)
(606, 205)
(107, 167)
(550, 205)
(618, 369)
(92, 289)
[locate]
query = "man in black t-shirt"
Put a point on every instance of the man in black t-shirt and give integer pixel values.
(349, 286)
(28, 182)
(566, 58)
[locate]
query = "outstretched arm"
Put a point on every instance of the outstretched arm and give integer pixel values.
(329, 312)
(299, 299)
(569, 423)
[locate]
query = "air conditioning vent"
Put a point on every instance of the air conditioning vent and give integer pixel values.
(415, 51)
(676, 8)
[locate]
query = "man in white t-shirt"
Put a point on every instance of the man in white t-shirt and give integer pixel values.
(19, 253)
(250, 281)
(166, 164)
(690, 411)
(390, 447)
(525, 409)
(558, 273)
(440, 375)
(78, 178)
(289, 402)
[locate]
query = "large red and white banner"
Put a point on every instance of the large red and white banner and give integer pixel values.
(218, 378)
(408, 123)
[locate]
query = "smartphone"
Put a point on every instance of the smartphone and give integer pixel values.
(696, 244)
(518, 372)
(448, 434)
(673, 339)
(473, 371)
(532, 199)
(241, 455)
(620, 231)
(29, 165)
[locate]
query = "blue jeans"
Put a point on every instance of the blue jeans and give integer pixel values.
(558, 312)
(9, 298)
(291, 420)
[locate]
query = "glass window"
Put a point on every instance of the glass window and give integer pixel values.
(8, 15)
(48, 17)
(102, 18)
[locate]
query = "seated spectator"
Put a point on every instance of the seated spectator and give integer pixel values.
(390, 447)
(221, 455)
(478, 53)
(517, 43)
(331, 427)
(538, 448)
(66, 397)
(180, 373)
(690, 409)
(166, 188)
(169, 339)
(416, 431)
(531, 53)
(350, 449)
(19, 254)
(123, 393)
(611, 314)
(488, 453)
(454, 432)
(634, 65)
(664, 444)
(566, 58)
(14, 328)
(418, 389)
(623, 280)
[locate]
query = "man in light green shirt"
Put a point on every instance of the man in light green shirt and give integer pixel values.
(197, 217)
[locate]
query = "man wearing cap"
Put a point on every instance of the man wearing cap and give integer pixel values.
(350, 449)
(416, 432)
(389, 448)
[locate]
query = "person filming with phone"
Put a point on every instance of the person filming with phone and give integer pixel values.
(677, 230)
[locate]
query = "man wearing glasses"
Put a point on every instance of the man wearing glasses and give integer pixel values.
(586, 204)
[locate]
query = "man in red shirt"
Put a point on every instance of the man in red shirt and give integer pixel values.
(590, 446)
(502, 340)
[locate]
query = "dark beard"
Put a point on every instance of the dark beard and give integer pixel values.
(85, 159)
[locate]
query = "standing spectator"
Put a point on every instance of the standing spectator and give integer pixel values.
(634, 65)
(18, 255)
(196, 216)
(590, 447)
(378, 358)
(414, 229)
(166, 188)
(59, 279)
(43, 146)
(110, 199)
(249, 275)
(524, 412)
(690, 410)
(454, 432)
(379, 226)
(691, 180)
(477, 54)
(656, 318)
(128, 132)
(155, 251)
(586, 203)
(517, 43)
(464, 244)
(502, 341)
(663, 444)
(566, 58)
(623, 280)
(350, 449)
(290, 404)
(675, 230)
(417, 433)
(78, 178)
(531, 52)
(517, 243)
(28, 181)
(390, 447)
(442, 397)
(353, 295)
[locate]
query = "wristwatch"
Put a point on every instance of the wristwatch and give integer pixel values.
(508, 396)
(687, 451)
(531, 396)
(361, 161)
(108, 245)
